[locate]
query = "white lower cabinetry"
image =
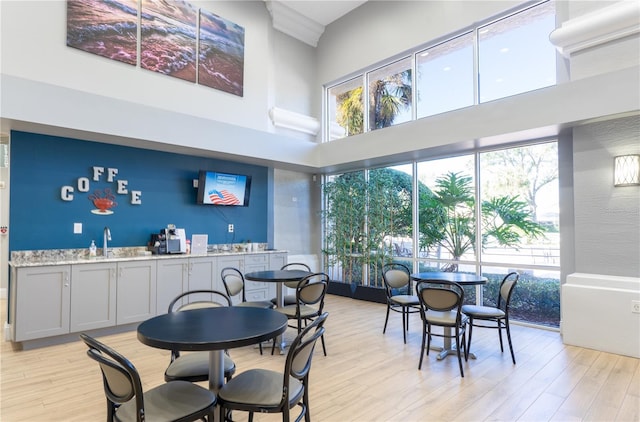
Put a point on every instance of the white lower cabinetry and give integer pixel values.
(93, 296)
(53, 300)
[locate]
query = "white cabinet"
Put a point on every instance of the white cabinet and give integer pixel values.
(40, 299)
(179, 275)
(257, 290)
(93, 296)
(172, 279)
(136, 297)
(52, 300)
(277, 260)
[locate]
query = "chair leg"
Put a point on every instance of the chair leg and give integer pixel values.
(384, 330)
(500, 334)
(470, 332)
(429, 339)
(513, 356)
(404, 331)
(324, 349)
(260, 347)
(458, 352)
(424, 335)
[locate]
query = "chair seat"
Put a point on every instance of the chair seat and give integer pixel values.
(287, 300)
(405, 300)
(257, 304)
(259, 387)
(195, 367)
(444, 318)
(305, 311)
(169, 402)
(481, 312)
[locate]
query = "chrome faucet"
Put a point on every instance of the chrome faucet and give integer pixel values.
(106, 238)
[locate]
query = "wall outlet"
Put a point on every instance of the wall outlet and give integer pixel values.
(635, 306)
(77, 228)
(230, 228)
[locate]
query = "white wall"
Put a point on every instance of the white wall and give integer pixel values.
(49, 87)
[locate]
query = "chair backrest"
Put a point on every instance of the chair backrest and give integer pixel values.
(440, 296)
(312, 289)
(300, 353)
(295, 266)
(396, 276)
(233, 281)
(121, 380)
(214, 298)
(506, 290)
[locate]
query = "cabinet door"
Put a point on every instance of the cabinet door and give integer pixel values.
(256, 290)
(93, 296)
(202, 275)
(136, 291)
(41, 296)
(277, 260)
(172, 280)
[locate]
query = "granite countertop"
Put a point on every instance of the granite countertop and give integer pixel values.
(35, 258)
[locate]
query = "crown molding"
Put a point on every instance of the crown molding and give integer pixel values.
(598, 27)
(292, 23)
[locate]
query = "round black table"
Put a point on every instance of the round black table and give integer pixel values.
(213, 330)
(278, 276)
(464, 279)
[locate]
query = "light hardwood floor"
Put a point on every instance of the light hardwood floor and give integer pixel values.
(367, 376)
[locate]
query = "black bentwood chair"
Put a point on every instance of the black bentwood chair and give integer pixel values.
(267, 391)
(178, 401)
(194, 366)
(441, 305)
(291, 299)
(486, 316)
(400, 298)
(310, 295)
(233, 281)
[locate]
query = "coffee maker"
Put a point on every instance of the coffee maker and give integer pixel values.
(169, 241)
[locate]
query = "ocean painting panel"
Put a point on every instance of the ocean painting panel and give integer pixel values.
(221, 55)
(168, 32)
(108, 28)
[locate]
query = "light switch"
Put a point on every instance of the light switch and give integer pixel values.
(77, 228)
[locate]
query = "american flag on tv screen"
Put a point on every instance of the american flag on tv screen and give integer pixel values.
(223, 197)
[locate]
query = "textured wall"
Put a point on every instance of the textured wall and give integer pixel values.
(607, 219)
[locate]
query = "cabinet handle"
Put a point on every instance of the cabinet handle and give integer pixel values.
(66, 284)
(120, 273)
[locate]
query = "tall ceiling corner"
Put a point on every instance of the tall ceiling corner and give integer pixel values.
(294, 24)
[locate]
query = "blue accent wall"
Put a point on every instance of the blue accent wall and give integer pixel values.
(40, 219)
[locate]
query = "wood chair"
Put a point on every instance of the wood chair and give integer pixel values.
(486, 316)
(126, 401)
(267, 391)
(194, 366)
(400, 297)
(441, 305)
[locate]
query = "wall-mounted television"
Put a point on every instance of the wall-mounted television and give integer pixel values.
(225, 189)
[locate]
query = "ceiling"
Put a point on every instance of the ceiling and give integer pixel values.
(306, 19)
(323, 12)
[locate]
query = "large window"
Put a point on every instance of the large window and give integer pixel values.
(445, 76)
(390, 93)
(346, 109)
(513, 55)
(489, 212)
